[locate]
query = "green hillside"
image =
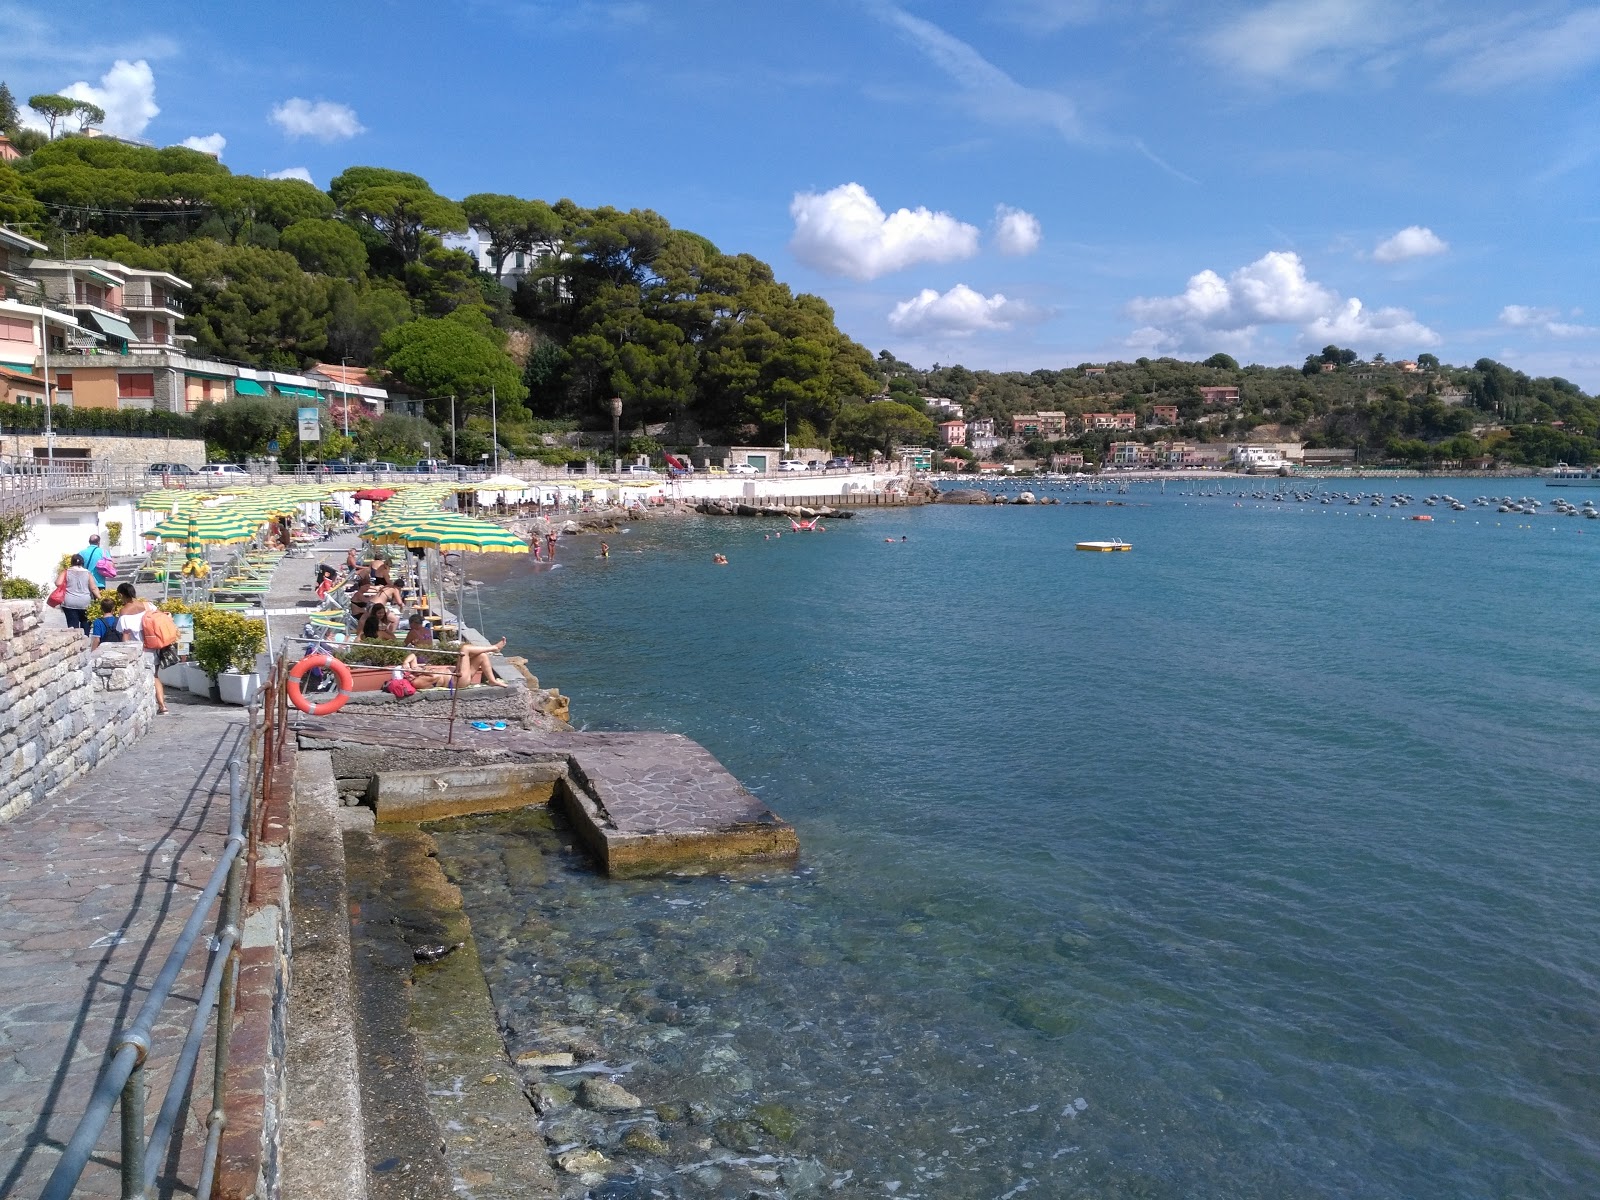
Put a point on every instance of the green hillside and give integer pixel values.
(707, 344)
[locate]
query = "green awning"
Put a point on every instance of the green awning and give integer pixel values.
(287, 389)
(110, 326)
(248, 387)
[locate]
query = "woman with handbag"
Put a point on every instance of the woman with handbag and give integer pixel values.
(130, 624)
(80, 592)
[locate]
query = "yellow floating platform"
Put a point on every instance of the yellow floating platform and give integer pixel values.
(1104, 546)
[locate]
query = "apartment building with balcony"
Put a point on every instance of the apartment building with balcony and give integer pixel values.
(122, 306)
(1125, 420)
(1163, 414)
(1129, 454)
(1039, 424)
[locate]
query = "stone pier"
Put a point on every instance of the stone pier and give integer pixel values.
(642, 802)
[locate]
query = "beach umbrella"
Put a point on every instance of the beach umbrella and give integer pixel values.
(165, 500)
(447, 532)
(376, 495)
(201, 527)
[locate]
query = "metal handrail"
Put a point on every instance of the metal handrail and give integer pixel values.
(124, 1076)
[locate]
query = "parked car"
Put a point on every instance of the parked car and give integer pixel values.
(223, 471)
(431, 466)
(164, 468)
(382, 468)
(742, 469)
(792, 464)
(836, 464)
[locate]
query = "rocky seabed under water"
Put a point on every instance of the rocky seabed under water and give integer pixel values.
(684, 1038)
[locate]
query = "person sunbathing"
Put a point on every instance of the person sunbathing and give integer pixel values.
(430, 676)
(474, 666)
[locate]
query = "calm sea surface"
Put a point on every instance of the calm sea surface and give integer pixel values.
(1258, 862)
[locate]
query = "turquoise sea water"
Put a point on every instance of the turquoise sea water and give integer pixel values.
(1260, 861)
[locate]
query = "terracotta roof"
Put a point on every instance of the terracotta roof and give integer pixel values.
(349, 376)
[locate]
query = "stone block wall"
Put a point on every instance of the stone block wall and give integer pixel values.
(62, 709)
(114, 453)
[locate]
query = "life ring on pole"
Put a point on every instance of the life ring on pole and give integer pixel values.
(341, 672)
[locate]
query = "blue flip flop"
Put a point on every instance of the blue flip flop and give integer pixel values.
(482, 725)
(499, 724)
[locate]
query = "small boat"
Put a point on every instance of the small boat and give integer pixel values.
(1422, 516)
(1114, 544)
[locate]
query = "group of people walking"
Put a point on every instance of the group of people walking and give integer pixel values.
(80, 583)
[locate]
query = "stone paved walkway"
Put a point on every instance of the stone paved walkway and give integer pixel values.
(95, 885)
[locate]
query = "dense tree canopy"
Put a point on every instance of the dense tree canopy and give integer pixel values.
(701, 343)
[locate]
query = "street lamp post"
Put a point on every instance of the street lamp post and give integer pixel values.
(344, 387)
(616, 430)
(44, 362)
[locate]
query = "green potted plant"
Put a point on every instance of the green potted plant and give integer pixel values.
(226, 645)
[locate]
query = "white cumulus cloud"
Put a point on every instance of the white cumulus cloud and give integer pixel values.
(1521, 316)
(1016, 232)
(1353, 322)
(127, 92)
(291, 173)
(1273, 290)
(844, 232)
(211, 143)
(1414, 241)
(1544, 320)
(325, 120)
(959, 311)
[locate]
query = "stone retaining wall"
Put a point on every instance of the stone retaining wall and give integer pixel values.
(62, 709)
(105, 450)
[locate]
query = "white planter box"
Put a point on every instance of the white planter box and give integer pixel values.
(199, 682)
(174, 676)
(237, 688)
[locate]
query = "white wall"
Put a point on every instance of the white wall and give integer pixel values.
(65, 531)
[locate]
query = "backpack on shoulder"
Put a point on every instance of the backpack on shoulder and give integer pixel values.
(159, 630)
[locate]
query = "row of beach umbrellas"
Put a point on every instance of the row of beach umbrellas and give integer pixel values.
(407, 515)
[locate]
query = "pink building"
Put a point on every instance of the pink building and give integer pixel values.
(1219, 395)
(1163, 414)
(953, 433)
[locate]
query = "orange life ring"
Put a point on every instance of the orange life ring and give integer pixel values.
(341, 672)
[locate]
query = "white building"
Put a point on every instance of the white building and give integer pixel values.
(1257, 458)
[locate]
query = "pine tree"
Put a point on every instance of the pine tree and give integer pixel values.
(9, 116)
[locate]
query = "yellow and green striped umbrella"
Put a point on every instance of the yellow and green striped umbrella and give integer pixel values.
(447, 532)
(164, 500)
(212, 526)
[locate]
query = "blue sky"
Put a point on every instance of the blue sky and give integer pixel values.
(1016, 184)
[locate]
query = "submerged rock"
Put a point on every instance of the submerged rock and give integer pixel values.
(776, 1120)
(803, 1176)
(549, 1097)
(545, 1058)
(643, 1141)
(604, 1096)
(577, 1162)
